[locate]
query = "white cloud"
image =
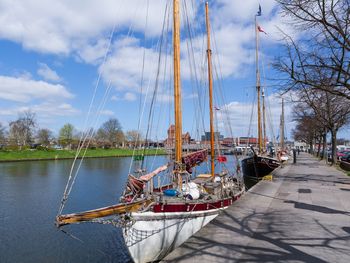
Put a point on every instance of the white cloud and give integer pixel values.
(228, 11)
(129, 96)
(83, 28)
(107, 112)
(23, 75)
(47, 73)
(65, 109)
(238, 115)
(123, 68)
(61, 26)
(93, 53)
(234, 49)
(24, 90)
(44, 110)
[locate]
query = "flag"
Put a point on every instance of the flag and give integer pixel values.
(261, 30)
(259, 11)
(222, 159)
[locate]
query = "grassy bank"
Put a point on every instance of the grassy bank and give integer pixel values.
(67, 154)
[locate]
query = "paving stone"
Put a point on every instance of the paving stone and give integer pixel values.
(276, 222)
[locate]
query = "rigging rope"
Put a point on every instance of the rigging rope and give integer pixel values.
(87, 134)
(156, 86)
(84, 138)
(193, 72)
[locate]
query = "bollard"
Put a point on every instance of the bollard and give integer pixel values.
(294, 156)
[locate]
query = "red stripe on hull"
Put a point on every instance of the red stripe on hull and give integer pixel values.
(161, 208)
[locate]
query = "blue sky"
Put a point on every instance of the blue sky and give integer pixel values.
(52, 54)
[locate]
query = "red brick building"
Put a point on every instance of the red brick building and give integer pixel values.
(170, 141)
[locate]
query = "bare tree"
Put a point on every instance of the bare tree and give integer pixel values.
(21, 130)
(323, 52)
(111, 132)
(133, 137)
(331, 112)
(44, 136)
(2, 135)
(307, 126)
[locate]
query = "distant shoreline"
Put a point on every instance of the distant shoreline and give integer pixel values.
(51, 155)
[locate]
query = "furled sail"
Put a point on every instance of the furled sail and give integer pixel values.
(101, 212)
(135, 185)
(150, 175)
(193, 159)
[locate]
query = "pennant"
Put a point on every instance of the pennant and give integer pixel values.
(261, 30)
(222, 159)
(259, 11)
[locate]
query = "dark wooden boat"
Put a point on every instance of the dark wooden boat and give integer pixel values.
(256, 167)
(345, 165)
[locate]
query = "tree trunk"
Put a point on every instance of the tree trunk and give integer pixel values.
(319, 147)
(334, 145)
(325, 152)
(311, 147)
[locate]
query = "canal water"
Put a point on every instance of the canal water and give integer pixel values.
(30, 193)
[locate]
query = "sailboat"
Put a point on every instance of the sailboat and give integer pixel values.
(156, 220)
(258, 165)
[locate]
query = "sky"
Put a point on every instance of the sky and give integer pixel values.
(83, 62)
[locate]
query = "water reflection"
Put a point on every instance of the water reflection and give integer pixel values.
(30, 193)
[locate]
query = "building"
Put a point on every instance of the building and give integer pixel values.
(229, 142)
(217, 136)
(250, 141)
(302, 146)
(247, 141)
(170, 141)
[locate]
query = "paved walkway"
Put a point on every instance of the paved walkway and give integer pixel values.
(302, 216)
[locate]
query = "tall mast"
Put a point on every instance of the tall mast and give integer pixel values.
(177, 82)
(258, 85)
(282, 126)
(210, 80)
(264, 118)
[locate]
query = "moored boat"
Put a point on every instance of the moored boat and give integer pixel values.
(255, 167)
(344, 165)
(258, 165)
(157, 219)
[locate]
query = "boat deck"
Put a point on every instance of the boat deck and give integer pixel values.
(303, 215)
(180, 199)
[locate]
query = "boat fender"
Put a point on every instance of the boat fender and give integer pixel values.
(170, 192)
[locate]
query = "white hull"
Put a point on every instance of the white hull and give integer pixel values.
(284, 158)
(154, 235)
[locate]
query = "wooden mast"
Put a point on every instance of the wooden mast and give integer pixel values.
(282, 126)
(258, 85)
(264, 119)
(177, 82)
(210, 80)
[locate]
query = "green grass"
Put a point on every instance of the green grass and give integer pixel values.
(28, 154)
